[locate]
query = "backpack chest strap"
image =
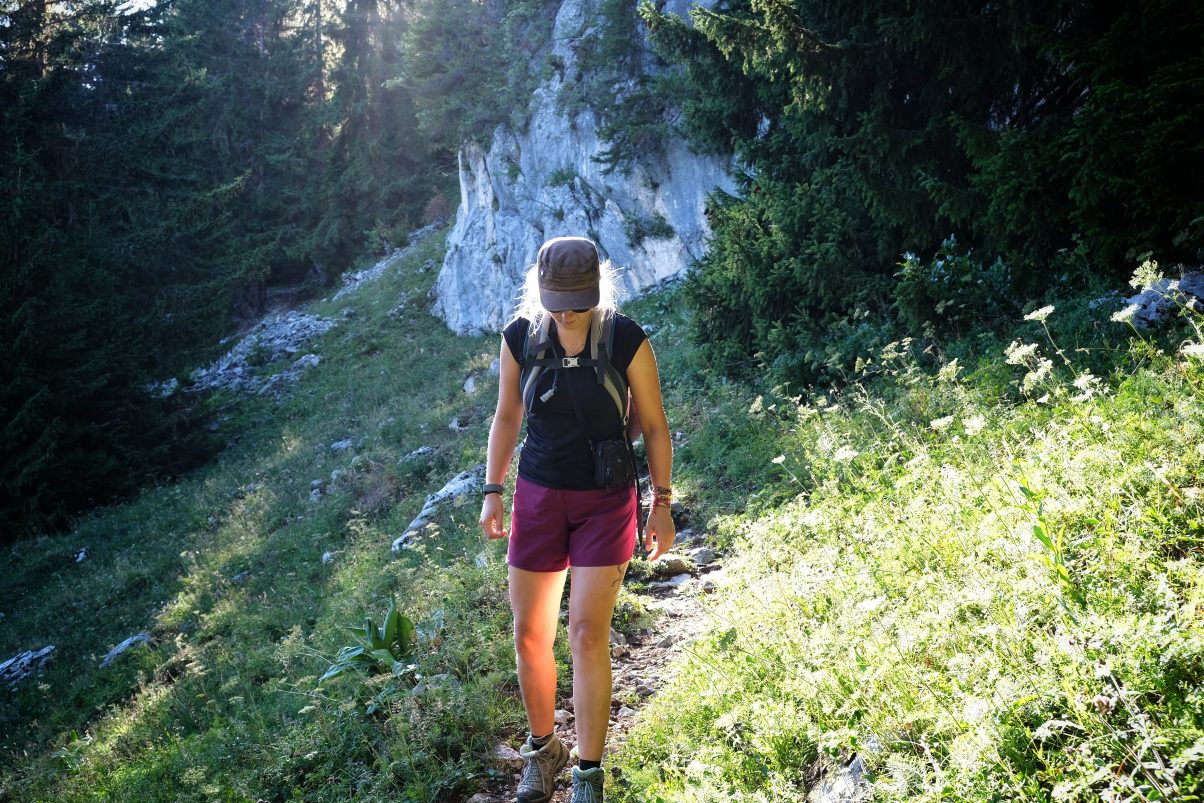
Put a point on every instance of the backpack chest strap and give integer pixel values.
(563, 362)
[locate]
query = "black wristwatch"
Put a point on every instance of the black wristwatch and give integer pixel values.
(491, 488)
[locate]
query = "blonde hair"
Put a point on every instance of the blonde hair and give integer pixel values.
(531, 308)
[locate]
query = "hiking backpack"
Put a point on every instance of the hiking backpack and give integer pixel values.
(538, 356)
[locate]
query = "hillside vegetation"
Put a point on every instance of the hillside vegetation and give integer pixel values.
(976, 565)
(981, 575)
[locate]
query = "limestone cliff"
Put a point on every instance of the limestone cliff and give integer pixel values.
(542, 181)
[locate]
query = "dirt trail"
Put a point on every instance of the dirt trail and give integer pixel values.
(640, 664)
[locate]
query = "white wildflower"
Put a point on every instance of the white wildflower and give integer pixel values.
(1193, 350)
(1054, 727)
(1039, 314)
(1087, 385)
(1037, 375)
(1086, 381)
(1019, 353)
(1146, 274)
(1126, 315)
(975, 709)
(949, 371)
(974, 424)
(844, 454)
(939, 424)
(779, 460)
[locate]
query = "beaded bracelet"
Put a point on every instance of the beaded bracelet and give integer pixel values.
(661, 497)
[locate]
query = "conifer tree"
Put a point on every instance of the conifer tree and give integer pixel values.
(873, 129)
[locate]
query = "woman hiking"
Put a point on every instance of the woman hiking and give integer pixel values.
(566, 360)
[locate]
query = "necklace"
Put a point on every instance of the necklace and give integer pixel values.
(572, 347)
(572, 350)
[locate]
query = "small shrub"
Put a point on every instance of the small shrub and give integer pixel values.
(562, 177)
(383, 238)
(953, 291)
(638, 228)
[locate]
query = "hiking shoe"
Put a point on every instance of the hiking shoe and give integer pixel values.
(539, 776)
(587, 786)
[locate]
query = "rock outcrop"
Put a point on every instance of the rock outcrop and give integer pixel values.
(543, 181)
(1163, 300)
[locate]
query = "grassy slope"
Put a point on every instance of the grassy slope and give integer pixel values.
(887, 587)
(898, 599)
(245, 615)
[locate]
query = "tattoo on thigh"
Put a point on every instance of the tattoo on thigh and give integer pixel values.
(620, 570)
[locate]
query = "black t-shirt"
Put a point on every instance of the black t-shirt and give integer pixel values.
(556, 452)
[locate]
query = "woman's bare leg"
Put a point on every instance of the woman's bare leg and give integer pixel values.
(535, 600)
(592, 597)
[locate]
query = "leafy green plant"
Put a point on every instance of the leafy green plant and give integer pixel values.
(71, 756)
(1052, 538)
(384, 648)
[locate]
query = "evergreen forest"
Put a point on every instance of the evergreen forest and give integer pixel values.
(168, 168)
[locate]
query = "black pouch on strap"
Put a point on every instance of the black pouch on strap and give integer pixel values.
(613, 466)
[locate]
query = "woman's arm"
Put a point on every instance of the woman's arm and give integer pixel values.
(645, 383)
(503, 434)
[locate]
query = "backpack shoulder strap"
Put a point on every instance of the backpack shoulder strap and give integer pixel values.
(535, 350)
(602, 349)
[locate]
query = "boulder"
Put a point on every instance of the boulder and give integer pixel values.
(1162, 300)
(671, 564)
(417, 454)
(506, 754)
(672, 584)
(23, 664)
(122, 647)
(463, 484)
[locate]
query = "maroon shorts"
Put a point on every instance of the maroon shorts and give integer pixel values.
(551, 529)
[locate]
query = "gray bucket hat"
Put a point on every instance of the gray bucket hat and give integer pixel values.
(568, 274)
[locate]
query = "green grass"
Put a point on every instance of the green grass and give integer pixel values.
(224, 571)
(991, 594)
(889, 591)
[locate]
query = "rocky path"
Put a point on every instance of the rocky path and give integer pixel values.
(641, 660)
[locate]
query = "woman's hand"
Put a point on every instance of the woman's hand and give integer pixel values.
(493, 520)
(659, 528)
